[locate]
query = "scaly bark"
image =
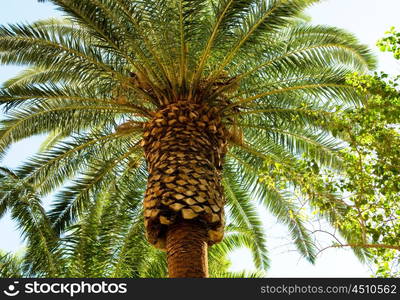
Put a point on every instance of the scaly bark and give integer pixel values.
(184, 146)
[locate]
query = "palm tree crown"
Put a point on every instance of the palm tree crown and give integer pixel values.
(131, 89)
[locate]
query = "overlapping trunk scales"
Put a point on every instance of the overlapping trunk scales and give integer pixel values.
(184, 146)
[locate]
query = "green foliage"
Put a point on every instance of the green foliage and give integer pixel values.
(391, 42)
(11, 266)
(361, 198)
(372, 167)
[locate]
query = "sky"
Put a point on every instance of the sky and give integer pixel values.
(367, 19)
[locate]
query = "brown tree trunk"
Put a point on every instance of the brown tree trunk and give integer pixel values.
(187, 250)
(184, 146)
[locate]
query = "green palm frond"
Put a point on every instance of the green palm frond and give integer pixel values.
(263, 17)
(26, 209)
(243, 274)
(277, 202)
(243, 213)
(73, 200)
(11, 266)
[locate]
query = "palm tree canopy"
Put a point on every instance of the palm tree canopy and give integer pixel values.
(97, 76)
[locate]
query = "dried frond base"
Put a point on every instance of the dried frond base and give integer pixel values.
(184, 145)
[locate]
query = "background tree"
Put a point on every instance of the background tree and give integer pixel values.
(194, 95)
(367, 186)
(372, 163)
(391, 43)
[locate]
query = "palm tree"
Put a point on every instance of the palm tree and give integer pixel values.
(108, 240)
(193, 95)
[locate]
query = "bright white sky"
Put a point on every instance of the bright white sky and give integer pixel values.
(368, 19)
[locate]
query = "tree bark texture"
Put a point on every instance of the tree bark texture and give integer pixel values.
(187, 250)
(184, 145)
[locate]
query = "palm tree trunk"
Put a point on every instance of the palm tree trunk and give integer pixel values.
(184, 146)
(187, 250)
